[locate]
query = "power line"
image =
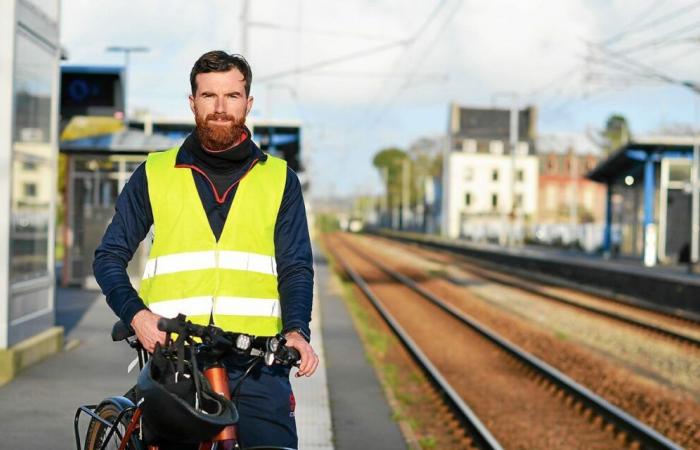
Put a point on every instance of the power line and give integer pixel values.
(293, 29)
(660, 40)
(410, 78)
(339, 59)
(652, 23)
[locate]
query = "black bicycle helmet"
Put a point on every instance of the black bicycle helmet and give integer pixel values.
(174, 408)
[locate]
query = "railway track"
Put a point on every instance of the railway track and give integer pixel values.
(680, 329)
(555, 411)
(678, 315)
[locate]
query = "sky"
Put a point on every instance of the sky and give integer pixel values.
(362, 75)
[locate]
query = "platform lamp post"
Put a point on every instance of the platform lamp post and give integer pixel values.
(127, 51)
(512, 145)
(695, 195)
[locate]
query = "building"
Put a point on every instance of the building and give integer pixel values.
(29, 84)
(648, 199)
(565, 194)
(488, 190)
(570, 210)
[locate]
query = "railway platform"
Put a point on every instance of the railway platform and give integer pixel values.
(670, 289)
(341, 407)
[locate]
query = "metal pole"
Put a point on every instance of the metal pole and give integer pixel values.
(513, 145)
(127, 60)
(244, 28)
(126, 84)
(405, 193)
(695, 210)
(385, 198)
(445, 228)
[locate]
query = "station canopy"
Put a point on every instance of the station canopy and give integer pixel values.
(106, 135)
(629, 159)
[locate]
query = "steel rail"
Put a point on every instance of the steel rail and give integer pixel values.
(624, 299)
(478, 432)
(592, 309)
(647, 436)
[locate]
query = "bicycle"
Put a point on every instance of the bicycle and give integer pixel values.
(117, 422)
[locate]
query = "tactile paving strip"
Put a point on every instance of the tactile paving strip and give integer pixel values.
(313, 409)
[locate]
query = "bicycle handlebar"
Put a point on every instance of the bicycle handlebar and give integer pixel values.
(271, 349)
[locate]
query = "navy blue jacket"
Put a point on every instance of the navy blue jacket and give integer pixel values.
(133, 219)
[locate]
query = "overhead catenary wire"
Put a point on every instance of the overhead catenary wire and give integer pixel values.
(407, 82)
(645, 26)
(657, 41)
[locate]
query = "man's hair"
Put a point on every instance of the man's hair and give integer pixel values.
(220, 61)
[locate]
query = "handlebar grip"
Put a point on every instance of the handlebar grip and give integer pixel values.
(293, 355)
(170, 325)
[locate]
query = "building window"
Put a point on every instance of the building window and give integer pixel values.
(518, 200)
(469, 146)
(496, 147)
(494, 201)
(522, 148)
(468, 199)
(29, 189)
(468, 174)
(494, 175)
(520, 175)
(552, 197)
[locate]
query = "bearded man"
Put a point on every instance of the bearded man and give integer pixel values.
(219, 194)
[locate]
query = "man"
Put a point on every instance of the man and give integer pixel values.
(231, 244)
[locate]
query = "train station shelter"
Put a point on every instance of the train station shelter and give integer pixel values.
(30, 55)
(648, 201)
(96, 167)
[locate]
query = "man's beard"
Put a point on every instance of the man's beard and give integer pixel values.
(217, 138)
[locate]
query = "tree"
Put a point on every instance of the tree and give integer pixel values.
(616, 133)
(389, 163)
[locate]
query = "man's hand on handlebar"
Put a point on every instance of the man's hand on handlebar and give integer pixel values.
(145, 324)
(309, 359)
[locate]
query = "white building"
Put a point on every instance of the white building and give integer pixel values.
(488, 191)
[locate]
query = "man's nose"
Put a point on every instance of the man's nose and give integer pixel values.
(220, 105)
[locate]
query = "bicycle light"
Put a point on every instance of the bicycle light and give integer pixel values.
(273, 344)
(269, 358)
(243, 342)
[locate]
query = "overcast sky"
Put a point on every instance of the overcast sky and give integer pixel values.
(366, 74)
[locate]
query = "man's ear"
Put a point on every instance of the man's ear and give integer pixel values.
(250, 105)
(191, 99)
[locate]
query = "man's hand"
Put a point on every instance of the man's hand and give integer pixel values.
(145, 324)
(309, 359)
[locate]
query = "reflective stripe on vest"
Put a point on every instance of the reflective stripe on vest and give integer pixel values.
(207, 260)
(233, 280)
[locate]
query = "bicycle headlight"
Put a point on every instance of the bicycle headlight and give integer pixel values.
(243, 342)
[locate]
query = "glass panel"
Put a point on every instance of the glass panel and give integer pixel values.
(679, 171)
(29, 233)
(32, 171)
(34, 72)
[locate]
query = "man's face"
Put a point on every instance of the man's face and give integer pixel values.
(220, 107)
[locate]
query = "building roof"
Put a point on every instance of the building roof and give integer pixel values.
(125, 142)
(561, 143)
(494, 123)
(631, 156)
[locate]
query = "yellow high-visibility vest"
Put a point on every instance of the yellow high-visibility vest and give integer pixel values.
(189, 272)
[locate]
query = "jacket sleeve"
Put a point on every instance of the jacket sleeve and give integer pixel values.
(131, 222)
(295, 273)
